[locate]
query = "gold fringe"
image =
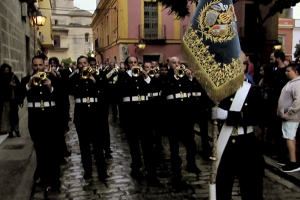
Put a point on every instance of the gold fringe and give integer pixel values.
(215, 93)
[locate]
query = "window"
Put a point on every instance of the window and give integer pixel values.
(107, 40)
(86, 37)
(56, 22)
(56, 40)
(150, 19)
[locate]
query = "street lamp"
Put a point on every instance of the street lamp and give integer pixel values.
(141, 45)
(39, 18)
(277, 46)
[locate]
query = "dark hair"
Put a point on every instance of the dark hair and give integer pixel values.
(164, 66)
(167, 60)
(55, 59)
(126, 60)
(247, 65)
(81, 57)
(37, 57)
(295, 67)
(3, 66)
(279, 54)
(145, 63)
(268, 73)
(91, 59)
(141, 63)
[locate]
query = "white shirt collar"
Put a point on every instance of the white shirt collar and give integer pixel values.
(129, 72)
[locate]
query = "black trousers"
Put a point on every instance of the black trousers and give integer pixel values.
(187, 138)
(90, 135)
(134, 137)
(243, 159)
(48, 165)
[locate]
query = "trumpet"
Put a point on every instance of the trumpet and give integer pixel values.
(38, 81)
(86, 72)
(97, 72)
(136, 71)
(181, 71)
(153, 71)
(115, 70)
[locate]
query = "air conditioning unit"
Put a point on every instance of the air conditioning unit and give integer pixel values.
(24, 9)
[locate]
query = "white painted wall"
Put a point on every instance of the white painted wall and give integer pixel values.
(296, 36)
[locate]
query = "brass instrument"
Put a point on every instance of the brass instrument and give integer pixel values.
(97, 72)
(38, 81)
(114, 71)
(136, 71)
(181, 71)
(153, 71)
(86, 72)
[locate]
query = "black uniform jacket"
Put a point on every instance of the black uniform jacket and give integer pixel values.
(250, 114)
(38, 117)
(82, 89)
(133, 87)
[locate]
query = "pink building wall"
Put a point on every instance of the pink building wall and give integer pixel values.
(134, 18)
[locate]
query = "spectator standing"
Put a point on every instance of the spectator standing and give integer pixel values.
(289, 112)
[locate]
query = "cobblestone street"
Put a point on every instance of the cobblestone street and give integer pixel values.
(120, 185)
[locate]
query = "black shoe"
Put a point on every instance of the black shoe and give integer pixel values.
(291, 167)
(3, 133)
(10, 135)
(193, 169)
(283, 161)
(18, 134)
(87, 176)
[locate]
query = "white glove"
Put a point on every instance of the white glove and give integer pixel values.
(219, 113)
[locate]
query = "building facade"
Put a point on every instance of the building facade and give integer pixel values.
(19, 41)
(119, 26)
(286, 26)
(296, 36)
(72, 33)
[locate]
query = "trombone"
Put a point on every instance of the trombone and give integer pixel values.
(38, 81)
(153, 71)
(136, 71)
(86, 72)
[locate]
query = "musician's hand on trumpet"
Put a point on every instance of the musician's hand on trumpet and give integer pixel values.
(92, 78)
(37, 75)
(47, 82)
(188, 73)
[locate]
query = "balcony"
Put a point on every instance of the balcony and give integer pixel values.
(97, 44)
(63, 47)
(152, 33)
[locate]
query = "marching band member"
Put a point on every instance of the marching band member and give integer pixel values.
(84, 88)
(41, 95)
(241, 157)
(176, 90)
(133, 87)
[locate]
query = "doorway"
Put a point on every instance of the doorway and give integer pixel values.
(150, 58)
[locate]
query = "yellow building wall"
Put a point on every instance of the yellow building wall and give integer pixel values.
(46, 30)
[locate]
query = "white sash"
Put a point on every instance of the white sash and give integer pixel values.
(226, 131)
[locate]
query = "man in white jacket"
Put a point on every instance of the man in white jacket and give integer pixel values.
(289, 111)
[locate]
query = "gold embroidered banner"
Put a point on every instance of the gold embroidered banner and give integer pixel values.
(212, 49)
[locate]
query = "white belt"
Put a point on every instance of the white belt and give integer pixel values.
(196, 94)
(178, 96)
(240, 131)
(38, 104)
(86, 100)
(135, 98)
(154, 94)
(112, 82)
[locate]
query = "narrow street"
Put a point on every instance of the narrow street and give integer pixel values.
(120, 185)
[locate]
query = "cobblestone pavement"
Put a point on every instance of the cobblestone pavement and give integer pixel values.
(120, 185)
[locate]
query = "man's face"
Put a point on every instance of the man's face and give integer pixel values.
(6, 70)
(122, 67)
(147, 67)
(153, 63)
(93, 65)
(174, 62)
(132, 61)
(112, 65)
(82, 62)
(53, 64)
(164, 70)
(38, 64)
(46, 65)
(272, 58)
(290, 73)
